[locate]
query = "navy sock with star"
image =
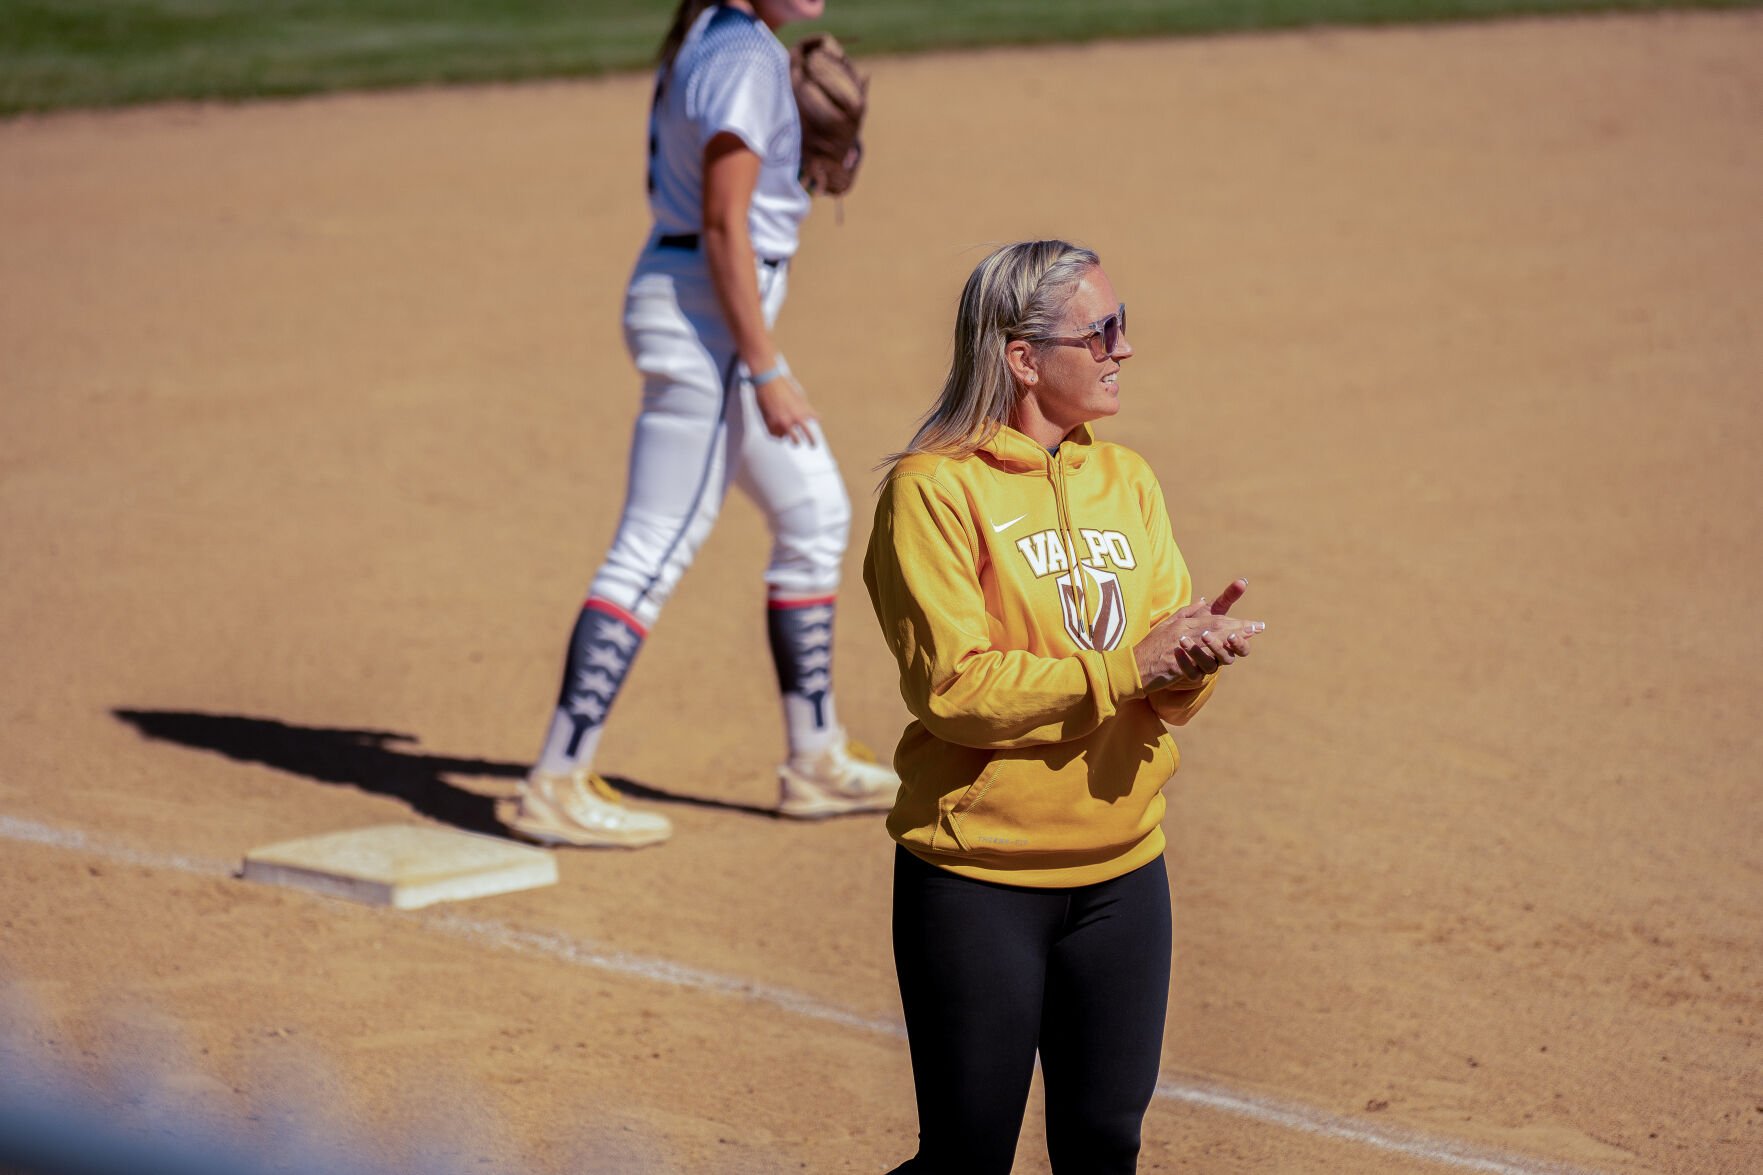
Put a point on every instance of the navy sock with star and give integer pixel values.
(801, 635)
(605, 642)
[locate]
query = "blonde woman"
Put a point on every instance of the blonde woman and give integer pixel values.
(720, 408)
(1026, 579)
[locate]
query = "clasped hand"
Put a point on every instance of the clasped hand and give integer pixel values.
(1196, 641)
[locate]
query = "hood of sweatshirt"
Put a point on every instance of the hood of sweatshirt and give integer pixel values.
(1014, 452)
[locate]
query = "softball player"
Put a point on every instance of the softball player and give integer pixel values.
(1026, 578)
(720, 407)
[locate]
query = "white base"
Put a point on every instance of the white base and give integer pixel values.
(404, 866)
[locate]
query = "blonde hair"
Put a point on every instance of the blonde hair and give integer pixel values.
(1019, 291)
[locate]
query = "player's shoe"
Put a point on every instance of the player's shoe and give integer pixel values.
(579, 808)
(843, 778)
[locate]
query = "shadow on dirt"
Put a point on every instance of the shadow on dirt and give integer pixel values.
(371, 760)
(642, 791)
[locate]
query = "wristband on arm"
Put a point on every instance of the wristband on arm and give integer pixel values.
(766, 376)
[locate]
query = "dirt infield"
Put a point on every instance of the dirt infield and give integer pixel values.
(312, 432)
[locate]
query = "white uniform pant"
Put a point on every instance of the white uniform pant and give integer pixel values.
(699, 431)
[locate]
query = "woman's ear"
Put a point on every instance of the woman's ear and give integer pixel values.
(1020, 357)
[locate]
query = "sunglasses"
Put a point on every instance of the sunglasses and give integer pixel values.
(1102, 336)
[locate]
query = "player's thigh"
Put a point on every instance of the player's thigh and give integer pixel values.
(678, 456)
(798, 487)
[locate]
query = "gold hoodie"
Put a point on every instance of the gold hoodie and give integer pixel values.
(1011, 586)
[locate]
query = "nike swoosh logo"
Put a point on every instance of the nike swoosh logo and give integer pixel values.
(1001, 527)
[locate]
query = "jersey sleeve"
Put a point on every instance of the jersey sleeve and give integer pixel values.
(922, 571)
(743, 88)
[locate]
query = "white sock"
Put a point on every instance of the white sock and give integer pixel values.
(808, 735)
(555, 757)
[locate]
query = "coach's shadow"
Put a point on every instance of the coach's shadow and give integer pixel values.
(369, 760)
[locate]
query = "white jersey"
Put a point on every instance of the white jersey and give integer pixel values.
(731, 74)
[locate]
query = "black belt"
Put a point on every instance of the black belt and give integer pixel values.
(690, 241)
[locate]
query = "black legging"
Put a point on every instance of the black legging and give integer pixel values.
(988, 973)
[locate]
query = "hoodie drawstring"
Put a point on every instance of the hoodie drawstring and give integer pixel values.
(1056, 474)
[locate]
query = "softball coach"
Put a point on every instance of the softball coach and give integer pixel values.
(1026, 578)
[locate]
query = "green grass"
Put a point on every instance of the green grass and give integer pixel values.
(67, 53)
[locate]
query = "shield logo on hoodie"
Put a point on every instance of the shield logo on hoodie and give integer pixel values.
(1096, 618)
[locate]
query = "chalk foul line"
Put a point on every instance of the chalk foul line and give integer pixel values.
(583, 953)
(579, 952)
